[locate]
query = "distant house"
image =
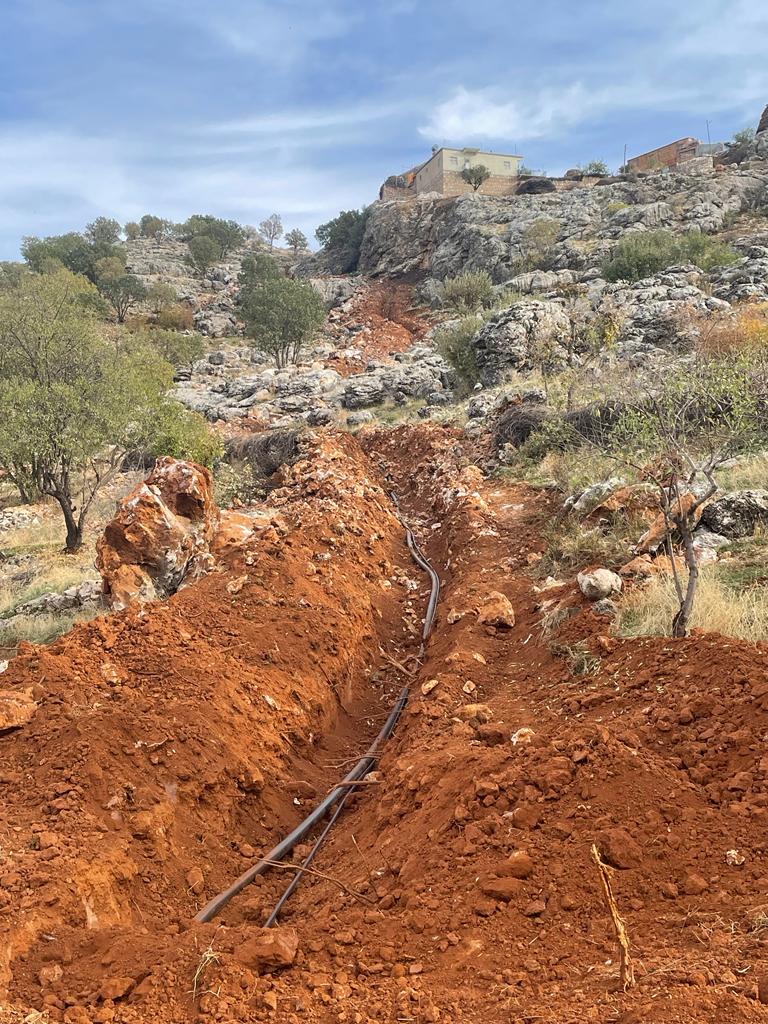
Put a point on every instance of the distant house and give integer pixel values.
(442, 174)
(674, 154)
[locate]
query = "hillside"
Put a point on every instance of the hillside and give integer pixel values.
(482, 571)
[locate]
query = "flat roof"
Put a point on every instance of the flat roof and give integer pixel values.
(474, 150)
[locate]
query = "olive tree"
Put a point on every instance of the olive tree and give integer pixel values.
(678, 433)
(297, 240)
(475, 176)
(281, 315)
(122, 292)
(74, 404)
(203, 253)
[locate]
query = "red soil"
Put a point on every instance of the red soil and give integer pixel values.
(474, 894)
(393, 323)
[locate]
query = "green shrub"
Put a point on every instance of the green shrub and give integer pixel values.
(644, 253)
(237, 484)
(468, 291)
(343, 237)
(454, 343)
(175, 347)
(184, 434)
(706, 252)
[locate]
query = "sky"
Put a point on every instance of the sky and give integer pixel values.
(243, 108)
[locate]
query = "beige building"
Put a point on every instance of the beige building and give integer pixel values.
(442, 174)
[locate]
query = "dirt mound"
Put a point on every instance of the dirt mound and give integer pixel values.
(460, 885)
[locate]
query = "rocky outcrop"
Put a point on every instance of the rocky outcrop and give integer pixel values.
(509, 340)
(438, 238)
(737, 514)
(657, 310)
(746, 281)
(160, 536)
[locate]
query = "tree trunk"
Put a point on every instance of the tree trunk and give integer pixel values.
(683, 616)
(74, 524)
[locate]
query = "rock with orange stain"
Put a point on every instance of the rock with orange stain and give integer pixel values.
(654, 536)
(161, 534)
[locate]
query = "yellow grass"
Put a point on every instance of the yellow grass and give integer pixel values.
(718, 608)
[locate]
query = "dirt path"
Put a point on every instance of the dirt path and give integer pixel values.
(470, 894)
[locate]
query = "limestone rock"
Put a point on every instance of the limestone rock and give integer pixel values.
(736, 514)
(161, 534)
(599, 584)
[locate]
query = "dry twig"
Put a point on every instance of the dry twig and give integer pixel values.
(626, 970)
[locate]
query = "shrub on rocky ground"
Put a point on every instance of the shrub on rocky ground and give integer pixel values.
(178, 317)
(237, 485)
(454, 343)
(468, 292)
(570, 546)
(644, 253)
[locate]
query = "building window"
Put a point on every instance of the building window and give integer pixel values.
(466, 164)
(507, 165)
(454, 161)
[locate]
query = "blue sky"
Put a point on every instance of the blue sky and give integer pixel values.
(242, 108)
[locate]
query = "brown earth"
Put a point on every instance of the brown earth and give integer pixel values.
(170, 747)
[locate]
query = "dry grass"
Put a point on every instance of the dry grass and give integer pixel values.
(41, 629)
(572, 545)
(719, 608)
(747, 473)
(719, 335)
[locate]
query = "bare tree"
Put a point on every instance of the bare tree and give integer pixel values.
(271, 228)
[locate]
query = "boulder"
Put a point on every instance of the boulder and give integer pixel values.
(736, 514)
(599, 584)
(509, 339)
(270, 949)
(594, 495)
(160, 535)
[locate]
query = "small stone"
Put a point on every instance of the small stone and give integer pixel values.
(535, 908)
(524, 817)
(520, 864)
(116, 988)
(619, 849)
(429, 686)
(49, 975)
(16, 709)
(694, 884)
(475, 712)
(195, 880)
(599, 584)
(491, 735)
(270, 948)
(503, 889)
(270, 1000)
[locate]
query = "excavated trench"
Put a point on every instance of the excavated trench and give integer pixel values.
(457, 885)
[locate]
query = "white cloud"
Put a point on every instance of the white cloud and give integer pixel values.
(278, 33)
(58, 181)
(479, 114)
(300, 122)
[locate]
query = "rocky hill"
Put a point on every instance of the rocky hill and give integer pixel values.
(431, 239)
